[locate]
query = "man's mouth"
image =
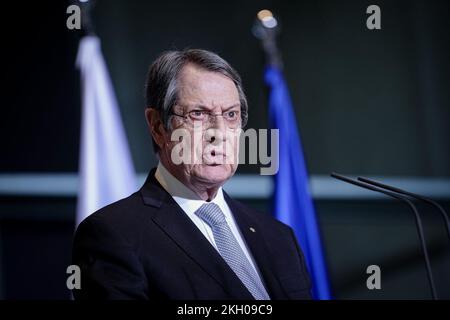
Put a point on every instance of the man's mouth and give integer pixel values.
(214, 158)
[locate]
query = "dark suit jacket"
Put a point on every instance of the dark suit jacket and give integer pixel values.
(146, 247)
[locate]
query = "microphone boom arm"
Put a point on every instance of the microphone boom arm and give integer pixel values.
(418, 220)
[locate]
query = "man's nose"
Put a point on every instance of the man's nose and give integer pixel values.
(216, 130)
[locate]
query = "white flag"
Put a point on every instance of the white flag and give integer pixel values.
(106, 172)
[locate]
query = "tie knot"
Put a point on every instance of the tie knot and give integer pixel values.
(211, 214)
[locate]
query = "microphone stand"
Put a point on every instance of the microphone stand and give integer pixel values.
(418, 221)
(412, 195)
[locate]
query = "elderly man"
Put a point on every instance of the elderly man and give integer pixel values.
(181, 236)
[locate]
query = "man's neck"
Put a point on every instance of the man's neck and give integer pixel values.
(179, 188)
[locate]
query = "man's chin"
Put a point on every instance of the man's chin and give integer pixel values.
(214, 173)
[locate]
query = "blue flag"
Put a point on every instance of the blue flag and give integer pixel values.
(292, 199)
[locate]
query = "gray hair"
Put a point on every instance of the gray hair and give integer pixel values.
(161, 90)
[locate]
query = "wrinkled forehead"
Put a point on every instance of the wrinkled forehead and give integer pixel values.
(210, 90)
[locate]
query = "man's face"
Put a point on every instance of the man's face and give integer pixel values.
(214, 144)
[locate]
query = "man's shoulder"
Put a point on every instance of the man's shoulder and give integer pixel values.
(116, 209)
(122, 216)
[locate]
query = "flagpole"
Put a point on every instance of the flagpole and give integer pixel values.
(87, 7)
(266, 29)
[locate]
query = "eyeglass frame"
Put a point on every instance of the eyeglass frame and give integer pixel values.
(209, 114)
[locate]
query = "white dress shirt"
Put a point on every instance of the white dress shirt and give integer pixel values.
(189, 201)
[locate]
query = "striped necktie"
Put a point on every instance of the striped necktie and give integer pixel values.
(231, 251)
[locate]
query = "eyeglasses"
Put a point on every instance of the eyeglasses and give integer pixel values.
(232, 118)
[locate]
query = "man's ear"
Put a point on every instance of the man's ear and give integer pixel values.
(155, 126)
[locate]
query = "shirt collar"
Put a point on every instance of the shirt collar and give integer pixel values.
(184, 196)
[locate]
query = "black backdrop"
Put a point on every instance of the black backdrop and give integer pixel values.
(368, 102)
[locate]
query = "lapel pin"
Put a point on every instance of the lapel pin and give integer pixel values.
(252, 229)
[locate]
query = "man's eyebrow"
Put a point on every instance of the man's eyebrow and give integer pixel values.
(200, 106)
(233, 106)
(203, 107)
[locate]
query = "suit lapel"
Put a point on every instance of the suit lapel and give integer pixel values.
(253, 236)
(177, 225)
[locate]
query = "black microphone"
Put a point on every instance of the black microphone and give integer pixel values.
(418, 220)
(412, 195)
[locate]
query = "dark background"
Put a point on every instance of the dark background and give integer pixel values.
(367, 103)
